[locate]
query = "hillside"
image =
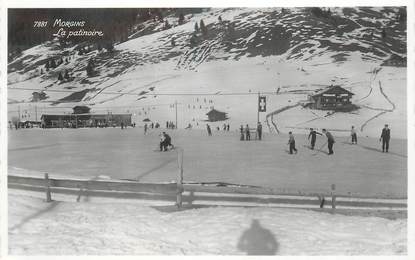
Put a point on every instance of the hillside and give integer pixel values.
(284, 53)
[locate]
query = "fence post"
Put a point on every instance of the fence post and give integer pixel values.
(179, 192)
(47, 188)
(333, 196)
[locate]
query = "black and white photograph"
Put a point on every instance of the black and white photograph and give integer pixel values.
(273, 131)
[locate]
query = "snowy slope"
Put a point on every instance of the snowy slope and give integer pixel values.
(129, 228)
(250, 51)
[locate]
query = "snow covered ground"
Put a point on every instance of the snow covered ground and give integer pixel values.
(104, 227)
(146, 75)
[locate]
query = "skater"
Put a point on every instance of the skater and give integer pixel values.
(122, 125)
(145, 129)
(330, 141)
(165, 142)
(247, 133)
(227, 127)
(313, 134)
(384, 138)
(354, 135)
(224, 127)
(259, 130)
(242, 133)
(209, 130)
(291, 142)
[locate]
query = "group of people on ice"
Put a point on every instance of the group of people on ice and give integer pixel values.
(384, 138)
(246, 132)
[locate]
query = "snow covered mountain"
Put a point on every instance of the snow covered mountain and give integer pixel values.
(286, 54)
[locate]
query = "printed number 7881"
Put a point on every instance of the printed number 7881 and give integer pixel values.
(40, 23)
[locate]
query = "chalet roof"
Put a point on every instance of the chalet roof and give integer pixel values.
(331, 89)
(214, 111)
(57, 116)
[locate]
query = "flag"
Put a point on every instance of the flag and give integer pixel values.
(262, 104)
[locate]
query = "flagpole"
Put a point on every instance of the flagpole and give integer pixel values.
(258, 110)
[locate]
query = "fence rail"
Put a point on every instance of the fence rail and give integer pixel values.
(196, 194)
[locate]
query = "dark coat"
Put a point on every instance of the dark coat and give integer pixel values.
(386, 134)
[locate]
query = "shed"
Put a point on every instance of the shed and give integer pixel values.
(216, 115)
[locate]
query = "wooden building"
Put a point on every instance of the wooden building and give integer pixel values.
(216, 115)
(84, 120)
(332, 98)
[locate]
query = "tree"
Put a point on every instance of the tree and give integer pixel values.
(181, 19)
(90, 68)
(203, 27)
(41, 71)
(166, 25)
(109, 46)
(193, 40)
(173, 43)
(220, 19)
(66, 75)
(47, 66)
(196, 27)
(60, 78)
(383, 33)
(53, 63)
(81, 52)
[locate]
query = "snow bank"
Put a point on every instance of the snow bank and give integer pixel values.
(101, 228)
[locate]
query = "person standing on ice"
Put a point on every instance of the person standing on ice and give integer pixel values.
(247, 133)
(291, 142)
(354, 135)
(330, 141)
(313, 134)
(242, 133)
(145, 129)
(384, 138)
(209, 130)
(259, 130)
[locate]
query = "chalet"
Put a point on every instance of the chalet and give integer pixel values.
(84, 120)
(216, 115)
(332, 98)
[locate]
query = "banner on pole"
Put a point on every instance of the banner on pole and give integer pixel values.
(262, 104)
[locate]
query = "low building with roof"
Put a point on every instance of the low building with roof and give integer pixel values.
(332, 98)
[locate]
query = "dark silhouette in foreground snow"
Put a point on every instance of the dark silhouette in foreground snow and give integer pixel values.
(258, 240)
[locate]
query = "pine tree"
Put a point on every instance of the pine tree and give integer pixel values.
(53, 63)
(109, 46)
(47, 66)
(173, 43)
(220, 19)
(66, 75)
(41, 71)
(203, 27)
(90, 68)
(166, 25)
(181, 19)
(80, 52)
(383, 33)
(60, 78)
(196, 27)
